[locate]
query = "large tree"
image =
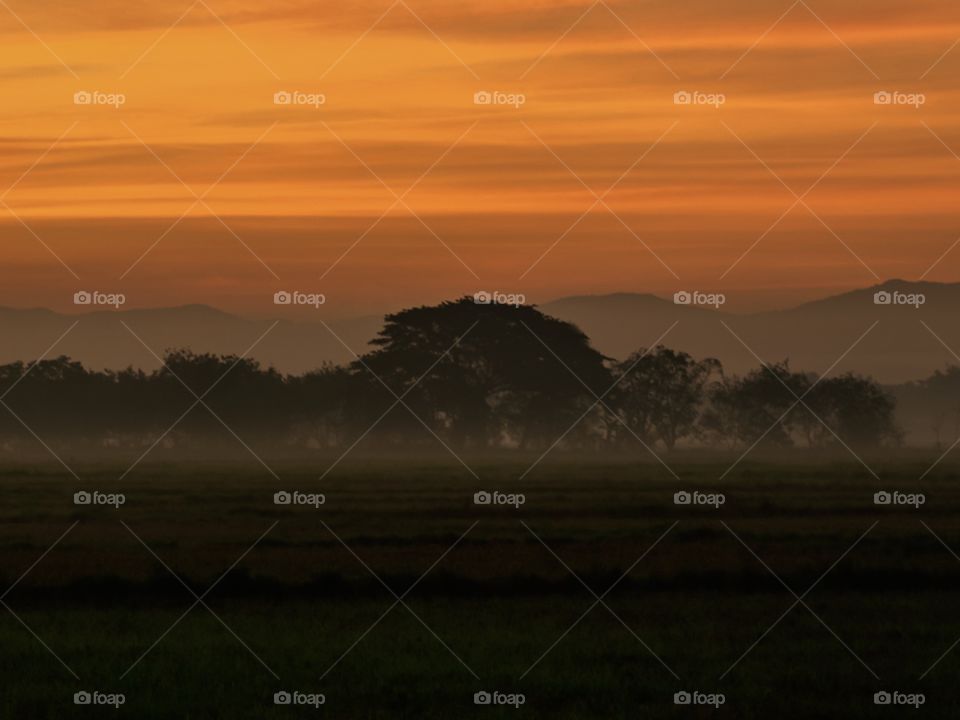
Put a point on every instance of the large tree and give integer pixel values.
(487, 373)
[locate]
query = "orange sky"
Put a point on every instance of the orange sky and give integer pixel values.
(306, 197)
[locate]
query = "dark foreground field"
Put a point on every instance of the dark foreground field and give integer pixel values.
(400, 598)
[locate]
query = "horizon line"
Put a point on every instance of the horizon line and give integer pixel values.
(561, 298)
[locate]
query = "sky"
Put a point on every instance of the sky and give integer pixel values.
(385, 184)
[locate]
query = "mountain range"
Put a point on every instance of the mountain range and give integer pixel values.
(905, 339)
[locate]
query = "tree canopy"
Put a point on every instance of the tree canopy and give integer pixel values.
(474, 375)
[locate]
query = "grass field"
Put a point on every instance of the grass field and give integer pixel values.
(507, 600)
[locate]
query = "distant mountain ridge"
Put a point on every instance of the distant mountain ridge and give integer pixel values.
(892, 342)
(116, 339)
(899, 342)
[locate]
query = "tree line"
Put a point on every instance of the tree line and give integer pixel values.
(472, 375)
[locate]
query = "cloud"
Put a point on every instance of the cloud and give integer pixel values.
(599, 98)
(35, 72)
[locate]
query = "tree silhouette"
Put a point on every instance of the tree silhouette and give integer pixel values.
(857, 410)
(476, 375)
(480, 373)
(934, 403)
(775, 406)
(756, 408)
(660, 393)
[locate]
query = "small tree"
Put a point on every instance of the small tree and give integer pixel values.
(857, 409)
(661, 393)
(757, 406)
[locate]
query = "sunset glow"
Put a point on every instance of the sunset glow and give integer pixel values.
(400, 189)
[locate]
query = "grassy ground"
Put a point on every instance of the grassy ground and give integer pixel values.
(504, 609)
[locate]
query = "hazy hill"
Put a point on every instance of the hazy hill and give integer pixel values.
(100, 339)
(813, 336)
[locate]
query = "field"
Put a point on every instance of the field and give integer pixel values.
(399, 597)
